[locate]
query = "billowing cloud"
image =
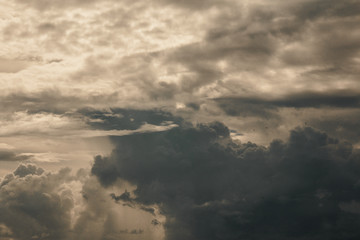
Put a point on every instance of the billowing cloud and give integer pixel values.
(210, 187)
(35, 204)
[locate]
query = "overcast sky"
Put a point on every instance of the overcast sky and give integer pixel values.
(179, 119)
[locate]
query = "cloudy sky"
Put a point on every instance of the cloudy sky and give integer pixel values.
(179, 119)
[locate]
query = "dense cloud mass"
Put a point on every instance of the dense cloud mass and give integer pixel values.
(210, 187)
(35, 204)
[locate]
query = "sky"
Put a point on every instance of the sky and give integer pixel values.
(179, 119)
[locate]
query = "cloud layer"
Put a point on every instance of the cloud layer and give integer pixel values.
(259, 59)
(180, 55)
(210, 187)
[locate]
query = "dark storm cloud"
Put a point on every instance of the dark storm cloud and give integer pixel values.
(209, 187)
(7, 155)
(264, 107)
(344, 126)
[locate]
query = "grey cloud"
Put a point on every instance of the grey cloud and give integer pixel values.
(50, 100)
(327, 8)
(263, 107)
(246, 107)
(250, 39)
(345, 126)
(46, 5)
(155, 222)
(149, 210)
(336, 113)
(98, 220)
(243, 51)
(35, 204)
(47, 101)
(5, 232)
(194, 5)
(55, 60)
(209, 187)
(320, 21)
(31, 205)
(44, 27)
(137, 69)
(136, 231)
(188, 4)
(130, 119)
(95, 221)
(193, 106)
(296, 33)
(7, 155)
(24, 170)
(125, 197)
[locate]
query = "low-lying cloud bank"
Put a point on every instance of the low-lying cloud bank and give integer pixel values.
(210, 187)
(193, 182)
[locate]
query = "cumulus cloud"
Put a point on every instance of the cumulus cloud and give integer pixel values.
(210, 187)
(36, 204)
